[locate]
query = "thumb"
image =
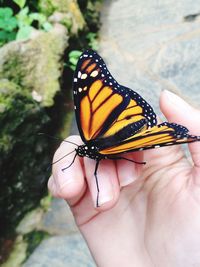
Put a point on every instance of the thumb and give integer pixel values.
(177, 110)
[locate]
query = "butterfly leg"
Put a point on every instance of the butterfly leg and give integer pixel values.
(70, 163)
(97, 182)
(138, 162)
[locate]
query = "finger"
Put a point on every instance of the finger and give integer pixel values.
(177, 110)
(52, 187)
(107, 183)
(128, 171)
(69, 182)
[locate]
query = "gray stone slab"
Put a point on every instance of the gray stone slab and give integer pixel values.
(179, 64)
(61, 251)
(149, 46)
(58, 220)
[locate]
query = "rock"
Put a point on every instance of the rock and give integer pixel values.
(18, 254)
(39, 63)
(61, 251)
(30, 221)
(70, 13)
(178, 63)
(152, 46)
(58, 220)
(24, 154)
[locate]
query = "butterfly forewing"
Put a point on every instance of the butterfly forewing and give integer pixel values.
(103, 107)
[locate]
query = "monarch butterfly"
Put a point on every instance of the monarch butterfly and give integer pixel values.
(113, 119)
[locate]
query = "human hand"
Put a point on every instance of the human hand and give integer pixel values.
(149, 215)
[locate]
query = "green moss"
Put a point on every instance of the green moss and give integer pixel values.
(24, 245)
(91, 12)
(48, 7)
(46, 202)
(36, 64)
(33, 239)
(24, 155)
(18, 254)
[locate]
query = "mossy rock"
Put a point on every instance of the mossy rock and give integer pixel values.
(36, 64)
(67, 7)
(24, 154)
(91, 12)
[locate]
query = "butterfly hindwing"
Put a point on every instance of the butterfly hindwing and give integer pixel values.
(164, 134)
(103, 107)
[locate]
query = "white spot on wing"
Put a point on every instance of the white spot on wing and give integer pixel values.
(83, 76)
(94, 73)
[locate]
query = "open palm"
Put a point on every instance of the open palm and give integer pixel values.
(149, 215)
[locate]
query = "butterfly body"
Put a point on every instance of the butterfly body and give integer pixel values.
(113, 119)
(89, 152)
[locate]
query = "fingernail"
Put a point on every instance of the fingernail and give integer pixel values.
(175, 99)
(105, 197)
(126, 181)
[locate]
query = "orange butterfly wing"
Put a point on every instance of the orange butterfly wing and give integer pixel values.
(102, 106)
(165, 134)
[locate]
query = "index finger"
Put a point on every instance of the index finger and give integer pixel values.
(67, 171)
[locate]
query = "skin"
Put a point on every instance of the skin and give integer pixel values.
(149, 215)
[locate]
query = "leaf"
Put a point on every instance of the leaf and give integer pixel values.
(5, 12)
(20, 3)
(75, 53)
(41, 18)
(3, 35)
(6, 36)
(23, 18)
(7, 21)
(47, 26)
(73, 60)
(24, 33)
(72, 67)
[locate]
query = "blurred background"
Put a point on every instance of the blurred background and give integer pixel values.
(148, 46)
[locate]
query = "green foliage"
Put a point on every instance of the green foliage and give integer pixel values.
(73, 58)
(20, 3)
(25, 20)
(24, 180)
(92, 40)
(8, 25)
(20, 26)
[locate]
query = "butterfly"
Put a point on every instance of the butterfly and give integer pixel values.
(113, 119)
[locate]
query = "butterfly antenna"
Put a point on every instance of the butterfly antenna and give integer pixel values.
(59, 139)
(63, 157)
(70, 163)
(48, 168)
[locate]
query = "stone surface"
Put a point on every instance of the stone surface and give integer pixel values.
(21, 118)
(58, 220)
(70, 10)
(150, 46)
(38, 61)
(30, 221)
(18, 254)
(61, 251)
